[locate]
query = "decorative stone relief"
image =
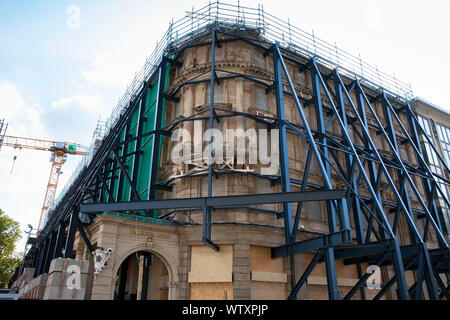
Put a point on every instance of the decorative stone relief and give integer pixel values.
(101, 258)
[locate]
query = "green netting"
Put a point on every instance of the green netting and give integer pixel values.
(143, 176)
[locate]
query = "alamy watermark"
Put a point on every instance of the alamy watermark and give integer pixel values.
(234, 146)
(73, 21)
(374, 280)
(74, 279)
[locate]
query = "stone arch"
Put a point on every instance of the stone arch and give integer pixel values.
(168, 260)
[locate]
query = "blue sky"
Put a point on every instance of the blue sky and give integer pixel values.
(55, 82)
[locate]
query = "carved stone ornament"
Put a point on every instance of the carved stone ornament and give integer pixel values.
(101, 258)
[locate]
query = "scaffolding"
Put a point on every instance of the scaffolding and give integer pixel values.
(291, 38)
(364, 164)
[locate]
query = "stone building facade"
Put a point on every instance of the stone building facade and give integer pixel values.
(243, 267)
(154, 258)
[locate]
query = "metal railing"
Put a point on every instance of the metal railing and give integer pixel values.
(272, 29)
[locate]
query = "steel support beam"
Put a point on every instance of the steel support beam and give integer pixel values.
(71, 234)
(320, 120)
(304, 276)
(125, 174)
(321, 242)
(284, 160)
(351, 178)
(157, 136)
(51, 251)
(206, 222)
(140, 124)
(321, 146)
(60, 241)
(85, 238)
(264, 198)
(42, 250)
(374, 180)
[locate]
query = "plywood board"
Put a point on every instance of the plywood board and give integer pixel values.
(269, 276)
(262, 261)
(208, 265)
(211, 291)
(267, 291)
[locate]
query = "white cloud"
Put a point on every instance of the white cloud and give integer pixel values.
(94, 104)
(24, 118)
(110, 70)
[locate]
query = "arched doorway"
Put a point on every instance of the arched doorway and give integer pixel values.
(142, 276)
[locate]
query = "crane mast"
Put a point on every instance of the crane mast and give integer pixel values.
(59, 152)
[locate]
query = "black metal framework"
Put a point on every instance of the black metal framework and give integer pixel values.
(364, 171)
(3, 127)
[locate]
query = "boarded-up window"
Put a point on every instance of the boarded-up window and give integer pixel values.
(210, 274)
(312, 210)
(261, 98)
(258, 59)
(218, 92)
(218, 53)
(267, 275)
(177, 109)
(300, 77)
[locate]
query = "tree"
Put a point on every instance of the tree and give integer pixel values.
(9, 260)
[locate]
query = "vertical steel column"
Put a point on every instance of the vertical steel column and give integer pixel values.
(328, 252)
(102, 177)
(371, 165)
(400, 173)
(424, 259)
(41, 245)
(360, 275)
(284, 159)
(51, 251)
(59, 241)
(117, 154)
(140, 123)
(71, 234)
(350, 168)
(420, 156)
(112, 181)
(434, 218)
(206, 225)
(46, 254)
(331, 212)
(157, 136)
(395, 249)
(408, 215)
(429, 273)
(98, 183)
(330, 265)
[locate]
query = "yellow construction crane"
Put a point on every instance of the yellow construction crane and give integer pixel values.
(59, 152)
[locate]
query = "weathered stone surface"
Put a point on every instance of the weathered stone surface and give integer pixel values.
(64, 293)
(61, 278)
(61, 264)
